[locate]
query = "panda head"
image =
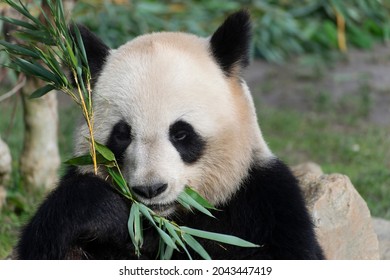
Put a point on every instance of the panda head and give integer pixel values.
(174, 110)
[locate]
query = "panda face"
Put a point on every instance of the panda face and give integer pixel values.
(174, 117)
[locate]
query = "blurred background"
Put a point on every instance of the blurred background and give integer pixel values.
(320, 77)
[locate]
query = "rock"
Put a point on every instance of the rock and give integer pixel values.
(3, 195)
(5, 163)
(382, 229)
(5, 170)
(342, 219)
(306, 168)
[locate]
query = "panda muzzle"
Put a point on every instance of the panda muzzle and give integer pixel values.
(149, 191)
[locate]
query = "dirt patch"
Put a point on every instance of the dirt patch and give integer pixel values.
(358, 82)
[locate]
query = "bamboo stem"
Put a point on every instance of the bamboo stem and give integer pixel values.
(89, 119)
(341, 39)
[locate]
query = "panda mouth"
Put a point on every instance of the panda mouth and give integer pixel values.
(161, 208)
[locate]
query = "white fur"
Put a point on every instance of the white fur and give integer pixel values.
(159, 78)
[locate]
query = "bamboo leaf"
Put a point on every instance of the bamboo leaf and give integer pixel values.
(185, 205)
(167, 239)
(196, 246)
(17, 49)
(138, 227)
(53, 64)
(134, 227)
(34, 36)
(104, 151)
(80, 44)
(60, 13)
(193, 203)
(168, 252)
(219, 237)
(145, 211)
(172, 231)
(41, 91)
(87, 160)
(130, 226)
(118, 179)
(18, 22)
(23, 10)
(198, 198)
(80, 160)
(35, 69)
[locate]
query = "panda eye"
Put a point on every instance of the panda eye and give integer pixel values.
(180, 135)
(121, 132)
(120, 138)
(188, 143)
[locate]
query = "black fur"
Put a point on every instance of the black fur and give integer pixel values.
(85, 218)
(187, 141)
(231, 42)
(120, 138)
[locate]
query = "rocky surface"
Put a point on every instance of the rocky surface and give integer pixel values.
(382, 229)
(5, 170)
(343, 222)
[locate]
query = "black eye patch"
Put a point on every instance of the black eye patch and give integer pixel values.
(119, 140)
(187, 141)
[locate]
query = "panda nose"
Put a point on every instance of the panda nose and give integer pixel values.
(149, 191)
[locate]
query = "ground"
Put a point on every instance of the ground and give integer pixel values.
(358, 74)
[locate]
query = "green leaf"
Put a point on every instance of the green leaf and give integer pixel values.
(23, 10)
(167, 239)
(219, 237)
(71, 54)
(138, 227)
(145, 211)
(196, 246)
(50, 59)
(19, 50)
(130, 226)
(41, 91)
(118, 179)
(168, 253)
(104, 151)
(198, 198)
(34, 36)
(80, 160)
(87, 160)
(193, 203)
(35, 69)
(18, 22)
(185, 204)
(80, 44)
(172, 231)
(135, 228)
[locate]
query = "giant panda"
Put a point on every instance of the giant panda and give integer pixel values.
(175, 110)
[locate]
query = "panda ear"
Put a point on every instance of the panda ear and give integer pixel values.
(96, 50)
(231, 42)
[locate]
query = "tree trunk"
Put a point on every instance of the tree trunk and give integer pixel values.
(5, 170)
(40, 159)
